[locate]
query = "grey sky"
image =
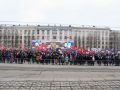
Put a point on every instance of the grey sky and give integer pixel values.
(78, 12)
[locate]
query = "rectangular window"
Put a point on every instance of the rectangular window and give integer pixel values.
(102, 46)
(60, 31)
(48, 32)
(60, 37)
(20, 37)
(12, 37)
(42, 37)
(98, 46)
(70, 37)
(106, 33)
(25, 37)
(8, 37)
(25, 32)
(28, 32)
(106, 46)
(65, 37)
(5, 37)
(54, 37)
(42, 31)
(95, 46)
(20, 32)
(38, 37)
(102, 38)
(54, 31)
(33, 37)
(98, 42)
(0, 31)
(102, 32)
(48, 37)
(37, 31)
(33, 32)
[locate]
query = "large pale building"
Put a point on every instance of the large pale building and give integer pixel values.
(115, 39)
(93, 37)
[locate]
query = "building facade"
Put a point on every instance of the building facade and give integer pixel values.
(93, 37)
(115, 39)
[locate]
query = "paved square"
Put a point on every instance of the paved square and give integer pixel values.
(54, 77)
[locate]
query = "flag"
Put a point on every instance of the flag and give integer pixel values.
(80, 50)
(72, 47)
(43, 45)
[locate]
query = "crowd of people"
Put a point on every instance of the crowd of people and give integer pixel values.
(58, 57)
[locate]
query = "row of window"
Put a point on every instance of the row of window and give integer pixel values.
(33, 37)
(48, 37)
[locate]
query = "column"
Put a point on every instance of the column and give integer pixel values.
(23, 39)
(63, 35)
(40, 35)
(85, 39)
(101, 39)
(81, 39)
(45, 35)
(51, 35)
(58, 35)
(68, 35)
(77, 38)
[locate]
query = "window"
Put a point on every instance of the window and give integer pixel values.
(98, 42)
(20, 37)
(38, 37)
(8, 37)
(60, 37)
(42, 37)
(37, 31)
(12, 37)
(33, 32)
(25, 37)
(0, 31)
(48, 37)
(5, 37)
(70, 37)
(48, 32)
(103, 32)
(98, 46)
(25, 32)
(33, 37)
(42, 31)
(16, 37)
(102, 46)
(54, 32)
(54, 37)
(106, 33)
(20, 32)
(106, 47)
(28, 32)
(95, 46)
(60, 31)
(65, 37)
(102, 38)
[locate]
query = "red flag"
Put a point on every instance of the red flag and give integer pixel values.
(43, 45)
(73, 47)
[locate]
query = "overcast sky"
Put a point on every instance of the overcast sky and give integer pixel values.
(76, 12)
